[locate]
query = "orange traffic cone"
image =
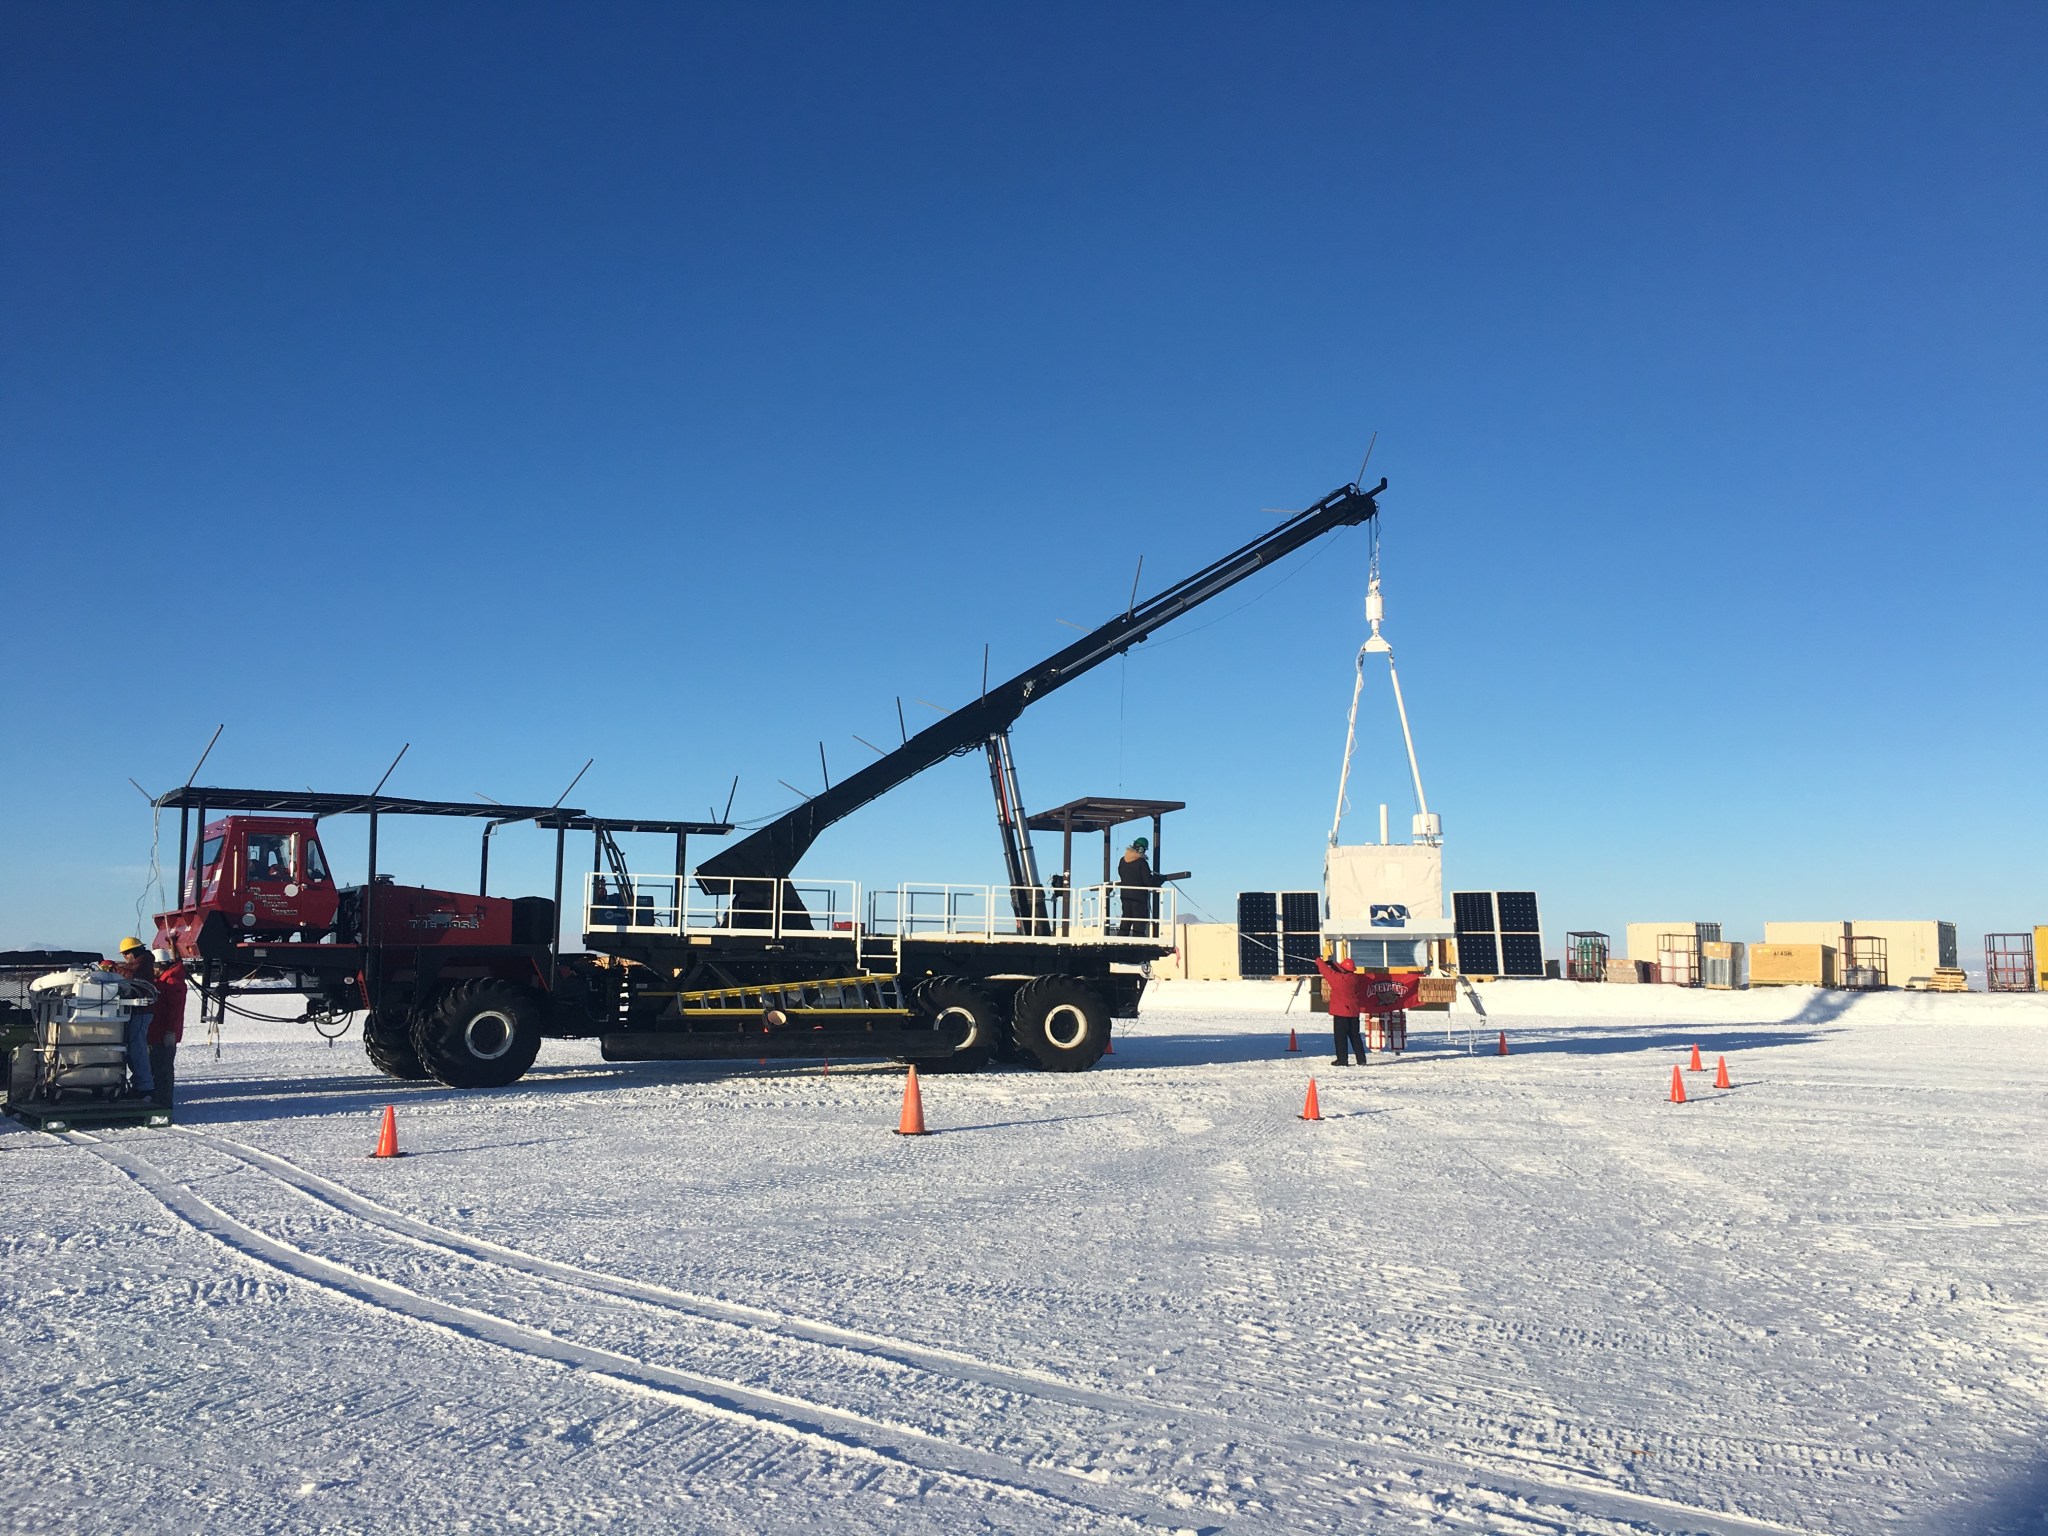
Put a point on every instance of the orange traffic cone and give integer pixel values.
(387, 1139)
(1503, 1042)
(1109, 1045)
(1696, 1065)
(1677, 1086)
(1292, 1043)
(1311, 1110)
(1721, 1073)
(912, 1123)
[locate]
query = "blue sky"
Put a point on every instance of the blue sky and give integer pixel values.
(679, 385)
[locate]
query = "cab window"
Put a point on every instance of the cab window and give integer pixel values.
(209, 854)
(270, 855)
(316, 864)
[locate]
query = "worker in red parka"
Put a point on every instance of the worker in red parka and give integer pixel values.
(1344, 987)
(167, 1026)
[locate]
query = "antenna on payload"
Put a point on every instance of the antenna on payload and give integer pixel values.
(1427, 825)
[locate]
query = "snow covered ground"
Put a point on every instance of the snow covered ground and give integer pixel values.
(1520, 1295)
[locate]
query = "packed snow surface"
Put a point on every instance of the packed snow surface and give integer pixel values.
(1521, 1294)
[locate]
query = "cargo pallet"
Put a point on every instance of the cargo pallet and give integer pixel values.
(89, 1114)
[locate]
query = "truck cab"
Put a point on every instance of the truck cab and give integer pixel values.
(266, 875)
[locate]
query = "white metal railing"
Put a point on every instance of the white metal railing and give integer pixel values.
(675, 906)
(1091, 914)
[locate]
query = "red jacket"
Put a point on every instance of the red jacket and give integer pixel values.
(167, 1019)
(1343, 989)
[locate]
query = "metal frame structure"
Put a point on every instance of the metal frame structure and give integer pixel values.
(1678, 959)
(1585, 955)
(1863, 965)
(2008, 962)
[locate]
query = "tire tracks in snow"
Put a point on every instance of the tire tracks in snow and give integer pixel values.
(1560, 1500)
(814, 1425)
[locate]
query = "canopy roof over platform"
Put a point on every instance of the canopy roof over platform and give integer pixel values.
(576, 821)
(316, 803)
(1100, 813)
(566, 818)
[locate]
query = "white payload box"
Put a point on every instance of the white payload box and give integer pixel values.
(1385, 891)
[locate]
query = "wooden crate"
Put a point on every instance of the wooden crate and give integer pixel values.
(1791, 965)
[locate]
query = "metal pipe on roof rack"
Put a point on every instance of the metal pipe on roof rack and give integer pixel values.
(391, 770)
(574, 782)
(206, 754)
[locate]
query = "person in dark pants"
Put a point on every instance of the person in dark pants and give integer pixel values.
(1341, 982)
(137, 964)
(1140, 892)
(167, 1027)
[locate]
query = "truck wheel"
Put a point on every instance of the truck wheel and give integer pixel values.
(389, 1047)
(949, 1000)
(480, 1034)
(1061, 1023)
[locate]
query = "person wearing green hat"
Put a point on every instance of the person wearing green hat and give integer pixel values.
(1139, 892)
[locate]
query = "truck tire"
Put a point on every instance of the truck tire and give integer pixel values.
(948, 999)
(479, 1034)
(389, 1047)
(1061, 1023)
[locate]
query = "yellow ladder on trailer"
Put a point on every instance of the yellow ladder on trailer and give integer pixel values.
(790, 1001)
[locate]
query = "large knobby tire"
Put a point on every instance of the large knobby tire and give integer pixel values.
(948, 1000)
(479, 1034)
(389, 1047)
(1061, 1023)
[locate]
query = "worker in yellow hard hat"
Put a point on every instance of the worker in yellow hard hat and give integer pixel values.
(138, 964)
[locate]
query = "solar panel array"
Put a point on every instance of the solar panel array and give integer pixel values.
(1500, 933)
(1279, 933)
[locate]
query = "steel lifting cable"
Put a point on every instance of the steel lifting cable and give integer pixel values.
(153, 879)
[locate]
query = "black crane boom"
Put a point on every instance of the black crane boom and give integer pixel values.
(773, 851)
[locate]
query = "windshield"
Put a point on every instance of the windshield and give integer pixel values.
(270, 855)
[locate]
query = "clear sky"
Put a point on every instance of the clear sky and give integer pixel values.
(680, 385)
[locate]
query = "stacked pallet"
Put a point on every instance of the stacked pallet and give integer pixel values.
(1948, 978)
(1627, 970)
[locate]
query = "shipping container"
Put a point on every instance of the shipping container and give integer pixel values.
(1672, 950)
(1913, 950)
(1202, 952)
